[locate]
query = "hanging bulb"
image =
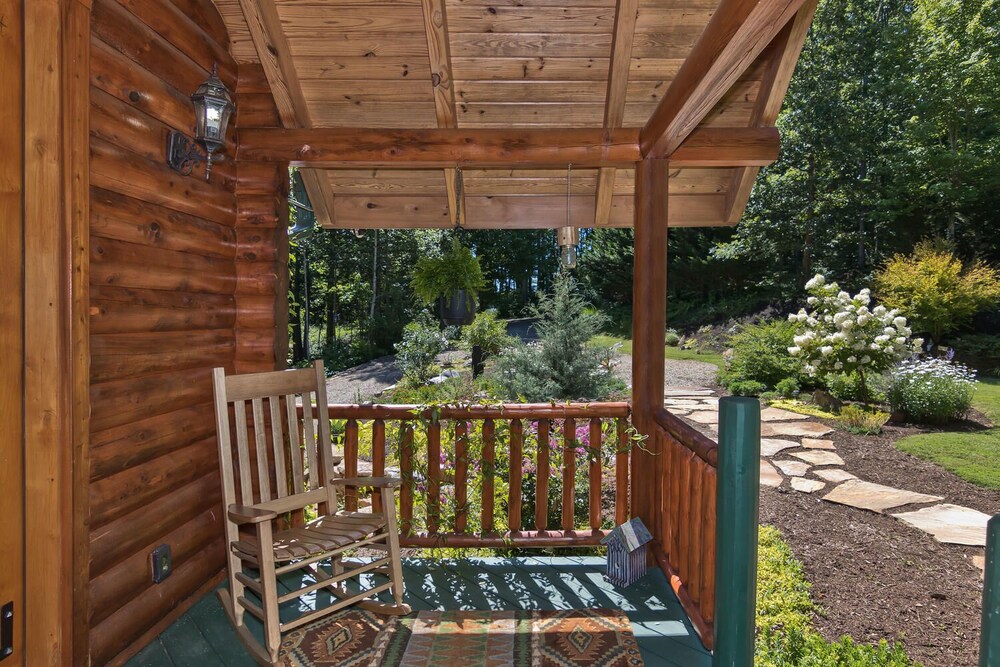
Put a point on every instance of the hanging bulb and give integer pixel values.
(567, 254)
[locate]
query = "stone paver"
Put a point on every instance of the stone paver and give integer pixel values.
(806, 485)
(816, 443)
(798, 429)
(950, 523)
(875, 497)
(820, 458)
(705, 417)
(980, 562)
(834, 475)
(779, 415)
(768, 475)
(793, 468)
(771, 446)
(682, 402)
(676, 392)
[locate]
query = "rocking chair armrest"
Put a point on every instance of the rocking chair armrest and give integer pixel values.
(377, 482)
(244, 514)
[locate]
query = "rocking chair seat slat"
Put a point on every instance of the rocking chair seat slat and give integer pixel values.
(318, 536)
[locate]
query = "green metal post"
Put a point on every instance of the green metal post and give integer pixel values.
(736, 531)
(989, 642)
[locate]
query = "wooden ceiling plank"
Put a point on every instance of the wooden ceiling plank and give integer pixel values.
(272, 50)
(439, 54)
(788, 46)
(614, 101)
(517, 148)
(505, 212)
(732, 40)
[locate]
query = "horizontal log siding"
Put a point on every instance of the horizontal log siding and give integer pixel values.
(184, 277)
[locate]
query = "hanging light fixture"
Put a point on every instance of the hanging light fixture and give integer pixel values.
(568, 236)
(213, 106)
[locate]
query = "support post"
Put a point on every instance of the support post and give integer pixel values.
(989, 642)
(649, 306)
(736, 531)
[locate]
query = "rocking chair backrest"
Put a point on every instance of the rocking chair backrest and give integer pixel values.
(277, 453)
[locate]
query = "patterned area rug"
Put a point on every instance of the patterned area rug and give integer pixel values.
(564, 638)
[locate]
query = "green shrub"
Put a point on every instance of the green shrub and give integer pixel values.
(931, 391)
(935, 290)
(862, 421)
(672, 339)
(846, 387)
(560, 365)
(422, 342)
(788, 388)
(760, 354)
(980, 351)
(488, 332)
(747, 388)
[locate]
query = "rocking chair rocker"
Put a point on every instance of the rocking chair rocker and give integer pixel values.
(282, 465)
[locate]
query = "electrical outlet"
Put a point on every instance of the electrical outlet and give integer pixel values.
(161, 562)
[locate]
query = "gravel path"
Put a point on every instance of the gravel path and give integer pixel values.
(676, 372)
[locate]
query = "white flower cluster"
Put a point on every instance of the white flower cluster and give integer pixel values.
(926, 370)
(931, 390)
(843, 333)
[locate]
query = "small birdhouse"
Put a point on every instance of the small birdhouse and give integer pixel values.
(627, 546)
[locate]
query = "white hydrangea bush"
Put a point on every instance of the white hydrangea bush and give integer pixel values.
(845, 334)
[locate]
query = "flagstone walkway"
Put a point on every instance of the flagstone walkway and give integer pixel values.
(795, 455)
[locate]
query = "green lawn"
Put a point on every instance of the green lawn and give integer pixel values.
(669, 352)
(974, 456)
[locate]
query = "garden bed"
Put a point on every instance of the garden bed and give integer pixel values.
(876, 577)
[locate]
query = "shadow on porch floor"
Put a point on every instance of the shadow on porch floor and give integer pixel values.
(204, 638)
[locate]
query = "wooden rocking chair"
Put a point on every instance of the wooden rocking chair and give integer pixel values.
(282, 465)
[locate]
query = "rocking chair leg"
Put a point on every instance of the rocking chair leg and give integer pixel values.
(389, 505)
(236, 588)
(269, 587)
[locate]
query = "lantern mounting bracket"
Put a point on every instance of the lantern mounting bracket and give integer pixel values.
(183, 154)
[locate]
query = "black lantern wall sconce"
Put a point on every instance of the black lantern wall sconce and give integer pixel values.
(213, 105)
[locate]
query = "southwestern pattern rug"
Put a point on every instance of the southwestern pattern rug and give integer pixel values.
(559, 638)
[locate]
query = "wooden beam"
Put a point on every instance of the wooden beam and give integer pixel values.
(734, 37)
(488, 148)
(514, 212)
(614, 103)
(788, 46)
(438, 52)
(649, 303)
(275, 56)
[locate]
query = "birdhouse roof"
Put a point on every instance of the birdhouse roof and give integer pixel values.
(631, 534)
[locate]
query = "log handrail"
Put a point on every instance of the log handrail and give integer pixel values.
(501, 437)
(706, 448)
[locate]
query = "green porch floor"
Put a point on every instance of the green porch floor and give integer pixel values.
(203, 637)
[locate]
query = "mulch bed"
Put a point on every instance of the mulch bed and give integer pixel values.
(878, 578)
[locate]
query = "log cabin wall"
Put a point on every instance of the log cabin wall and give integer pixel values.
(184, 275)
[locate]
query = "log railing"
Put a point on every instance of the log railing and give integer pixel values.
(686, 523)
(470, 471)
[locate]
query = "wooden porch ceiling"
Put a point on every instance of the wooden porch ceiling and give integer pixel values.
(511, 65)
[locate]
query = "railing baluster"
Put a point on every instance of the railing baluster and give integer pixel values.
(569, 473)
(378, 459)
(694, 530)
(542, 478)
(621, 474)
(514, 485)
(708, 499)
(595, 473)
(488, 523)
(351, 463)
(674, 507)
(461, 476)
(406, 474)
(433, 475)
(684, 526)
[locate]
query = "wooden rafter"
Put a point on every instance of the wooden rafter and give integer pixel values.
(614, 105)
(439, 54)
(788, 45)
(486, 148)
(273, 52)
(734, 37)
